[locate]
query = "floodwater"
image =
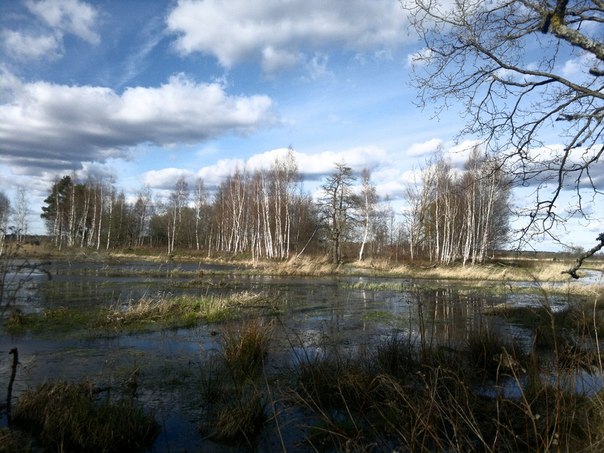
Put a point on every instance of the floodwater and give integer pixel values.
(314, 315)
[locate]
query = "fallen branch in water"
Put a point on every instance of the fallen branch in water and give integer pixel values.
(573, 270)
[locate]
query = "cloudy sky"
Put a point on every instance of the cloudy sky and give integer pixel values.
(148, 90)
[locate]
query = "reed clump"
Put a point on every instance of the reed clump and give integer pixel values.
(245, 347)
(235, 404)
(65, 416)
(489, 395)
(12, 441)
(240, 419)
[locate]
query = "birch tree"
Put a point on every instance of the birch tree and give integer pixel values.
(178, 199)
(4, 216)
(507, 63)
(21, 214)
(200, 206)
(367, 208)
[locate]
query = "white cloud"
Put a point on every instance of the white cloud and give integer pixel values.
(317, 66)
(166, 178)
(458, 154)
(420, 58)
(214, 174)
(238, 29)
(422, 149)
(60, 126)
(23, 46)
(275, 59)
(312, 166)
(68, 16)
(319, 164)
(577, 68)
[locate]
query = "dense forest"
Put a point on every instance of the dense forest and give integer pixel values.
(451, 215)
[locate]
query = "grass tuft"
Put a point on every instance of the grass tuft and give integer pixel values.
(245, 347)
(66, 417)
(240, 420)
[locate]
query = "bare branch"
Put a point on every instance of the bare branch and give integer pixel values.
(573, 270)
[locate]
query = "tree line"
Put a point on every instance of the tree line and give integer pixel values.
(451, 215)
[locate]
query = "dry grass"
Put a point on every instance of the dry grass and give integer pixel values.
(542, 272)
(240, 420)
(234, 404)
(12, 441)
(166, 310)
(65, 417)
(427, 401)
(302, 266)
(245, 347)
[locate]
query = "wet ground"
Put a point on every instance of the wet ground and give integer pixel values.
(313, 314)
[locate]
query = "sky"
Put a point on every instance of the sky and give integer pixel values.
(146, 91)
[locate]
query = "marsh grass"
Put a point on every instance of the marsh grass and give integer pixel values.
(66, 416)
(492, 354)
(161, 311)
(240, 419)
(179, 311)
(12, 441)
(402, 398)
(301, 266)
(245, 347)
(233, 393)
(489, 394)
(54, 321)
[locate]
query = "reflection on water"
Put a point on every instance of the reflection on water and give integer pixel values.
(316, 315)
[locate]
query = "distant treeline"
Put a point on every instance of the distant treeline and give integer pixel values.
(451, 215)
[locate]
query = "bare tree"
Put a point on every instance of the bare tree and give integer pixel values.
(455, 216)
(504, 61)
(21, 213)
(336, 205)
(4, 215)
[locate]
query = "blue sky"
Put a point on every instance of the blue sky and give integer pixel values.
(149, 90)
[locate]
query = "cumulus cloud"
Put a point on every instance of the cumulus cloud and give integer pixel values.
(24, 46)
(273, 31)
(577, 68)
(213, 175)
(425, 148)
(44, 39)
(275, 59)
(311, 166)
(420, 58)
(67, 16)
(540, 168)
(166, 178)
(60, 126)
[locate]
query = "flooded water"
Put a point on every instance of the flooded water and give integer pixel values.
(314, 314)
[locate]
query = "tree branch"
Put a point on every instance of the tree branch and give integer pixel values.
(573, 270)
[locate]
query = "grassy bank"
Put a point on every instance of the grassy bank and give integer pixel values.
(145, 314)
